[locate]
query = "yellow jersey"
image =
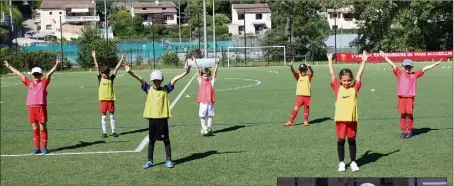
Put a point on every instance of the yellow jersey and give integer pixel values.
(105, 88)
(157, 103)
(346, 102)
(303, 85)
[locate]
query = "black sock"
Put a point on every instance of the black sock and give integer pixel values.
(352, 147)
(168, 149)
(151, 148)
(341, 149)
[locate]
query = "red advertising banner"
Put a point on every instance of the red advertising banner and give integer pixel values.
(396, 56)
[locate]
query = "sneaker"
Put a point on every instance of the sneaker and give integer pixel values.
(44, 151)
(169, 164)
(148, 165)
(306, 123)
(354, 166)
(341, 167)
(409, 135)
(288, 124)
(210, 132)
(403, 135)
(114, 134)
(103, 135)
(35, 151)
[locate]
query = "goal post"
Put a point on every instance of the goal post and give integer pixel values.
(257, 55)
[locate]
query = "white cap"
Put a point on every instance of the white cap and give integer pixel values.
(156, 75)
(37, 70)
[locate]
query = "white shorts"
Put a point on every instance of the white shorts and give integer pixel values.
(206, 110)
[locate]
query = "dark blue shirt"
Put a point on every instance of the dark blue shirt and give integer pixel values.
(145, 87)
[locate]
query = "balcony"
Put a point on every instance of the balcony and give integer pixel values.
(82, 18)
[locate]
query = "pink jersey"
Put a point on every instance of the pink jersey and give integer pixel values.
(406, 83)
(206, 92)
(37, 92)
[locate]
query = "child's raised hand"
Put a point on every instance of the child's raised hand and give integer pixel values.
(308, 65)
(438, 62)
(122, 56)
(57, 61)
(127, 67)
(365, 56)
(6, 63)
(329, 55)
(93, 53)
(382, 53)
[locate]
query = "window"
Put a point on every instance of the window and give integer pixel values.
(48, 27)
(169, 17)
(144, 8)
(240, 16)
(333, 15)
(50, 13)
(258, 16)
(241, 30)
(348, 16)
(164, 8)
(59, 13)
(259, 29)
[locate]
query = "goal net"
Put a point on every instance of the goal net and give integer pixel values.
(253, 56)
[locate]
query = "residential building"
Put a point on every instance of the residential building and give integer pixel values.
(253, 19)
(74, 12)
(147, 9)
(342, 17)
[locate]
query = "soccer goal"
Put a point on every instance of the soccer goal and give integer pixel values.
(252, 56)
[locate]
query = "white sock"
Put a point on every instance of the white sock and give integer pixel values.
(104, 124)
(112, 123)
(210, 121)
(203, 122)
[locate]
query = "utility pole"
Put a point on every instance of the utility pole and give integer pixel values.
(205, 36)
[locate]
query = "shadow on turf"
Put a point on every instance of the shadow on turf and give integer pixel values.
(369, 157)
(134, 131)
(424, 130)
(201, 155)
(228, 129)
(318, 120)
(80, 145)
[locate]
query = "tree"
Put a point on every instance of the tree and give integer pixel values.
(309, 30)
(100, 9)
(400, 25)
(18, 18)
(106, 53)
(222, 19)
(126, 26)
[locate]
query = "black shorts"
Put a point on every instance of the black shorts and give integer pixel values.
(158, 129)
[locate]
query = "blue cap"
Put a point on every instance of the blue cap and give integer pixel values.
(407, 62)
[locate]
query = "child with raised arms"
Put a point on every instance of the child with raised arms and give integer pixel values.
(346, 89)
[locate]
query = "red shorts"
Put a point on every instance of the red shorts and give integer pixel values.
(346, 129)
(303, 100)
(107, 105)
(405, 105)
(37, 114)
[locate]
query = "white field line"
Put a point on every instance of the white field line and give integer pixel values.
(68, 153)
(7, 83)
(145, 140)
(234, 88)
